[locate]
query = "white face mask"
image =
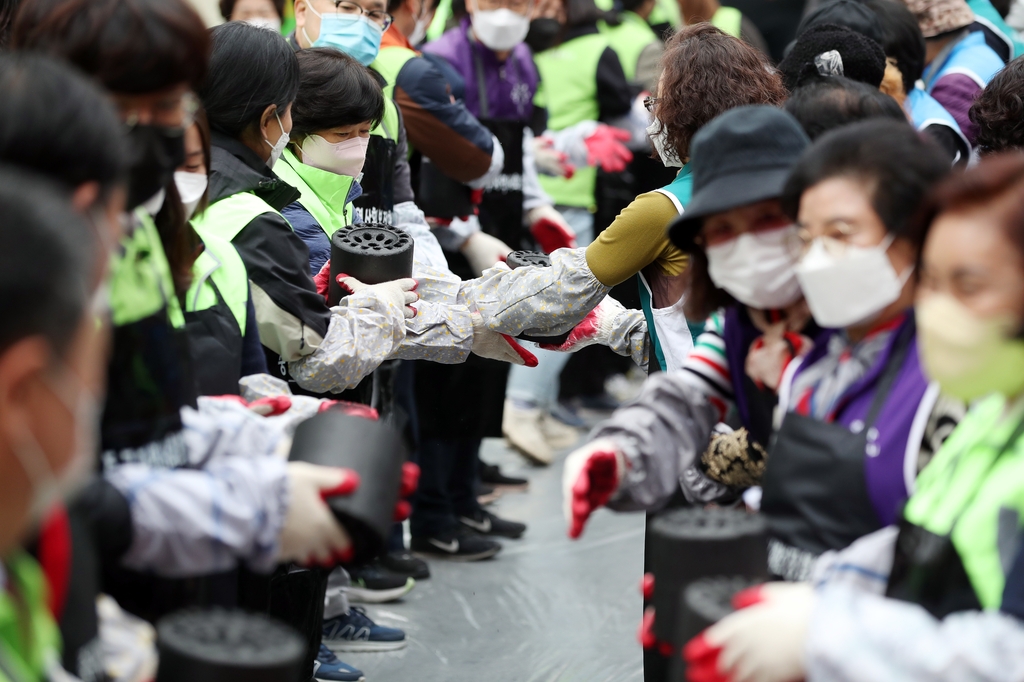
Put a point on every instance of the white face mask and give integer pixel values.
(265, 22)
(344, 158)
(756, 268)
(277, 149)
(500, 29)
(659, 138)
(191, 188)
(47, 486)
(852, 288)
(153, 204)
(419, 32)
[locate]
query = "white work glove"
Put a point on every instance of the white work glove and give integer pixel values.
(591, 476)
(483, 251)
(762, 642)
(550, 161)
(400, 293)
(596, 328)
(311, 534)
(550, 229)
(488, 343)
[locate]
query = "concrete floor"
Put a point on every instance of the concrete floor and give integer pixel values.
(545, 609)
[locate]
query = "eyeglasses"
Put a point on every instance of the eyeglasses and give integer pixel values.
(650, 103)
(836, 237)
(379, 17)
(176, 113)
(517, 6)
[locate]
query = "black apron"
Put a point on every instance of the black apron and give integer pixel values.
(215, 343)
(815, 493)
(377, 202)
(927, 569)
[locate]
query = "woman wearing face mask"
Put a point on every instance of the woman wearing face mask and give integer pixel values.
(262, 13)
(740, 243)
(220, 318)
(938, 595)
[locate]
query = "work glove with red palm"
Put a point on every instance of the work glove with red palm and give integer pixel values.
(761, 642)
(550, 230)
(596, 328)
(265, 407)
(310, 534)
(483, 251)
(606, 148)
(591, 476)
(488, 343)
(550, 161)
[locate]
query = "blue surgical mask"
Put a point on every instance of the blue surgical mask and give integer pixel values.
(355, 35)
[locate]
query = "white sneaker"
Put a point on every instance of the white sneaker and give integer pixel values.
(522, 427)
(559, 436)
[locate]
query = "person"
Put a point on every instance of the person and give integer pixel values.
(996, 112)
(51, 374)
(958, 63)
(826, 50)
(883, 607)
(988, 21)
(639, 48)
(738, 241)
(262, 13)
(827, 103)
(904, 44)
(729, 19)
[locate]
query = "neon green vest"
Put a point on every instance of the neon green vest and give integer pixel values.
(629, 39)
(728, 20)
(389, 63)
(26, 657)
(221, 264)
(666, 12)
(568, 89)
(439, 24)
(227, 217)
(140, 278)
(965, 491)
(388, 126)
(324, 194)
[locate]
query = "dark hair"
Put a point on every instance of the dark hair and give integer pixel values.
(631, 5)
(37, 222)
(8, 8)
(999, 110)
(836, 101)
(863, 58)
(58, 124)
(334, 90)
(997, 181)
(250, 69)
(899, 165)
(705, 73)
(586, 13)
(852, 14)
(130, 46)
(902, 39)
(228, 6)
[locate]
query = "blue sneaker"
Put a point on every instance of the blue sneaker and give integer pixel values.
(356, 632)
(327, 668)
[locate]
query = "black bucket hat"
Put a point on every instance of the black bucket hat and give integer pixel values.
(741, 157)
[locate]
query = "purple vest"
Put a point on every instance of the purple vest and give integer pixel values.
(510, 85)
(887, 451)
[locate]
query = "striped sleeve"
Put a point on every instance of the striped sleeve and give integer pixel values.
(707, 367)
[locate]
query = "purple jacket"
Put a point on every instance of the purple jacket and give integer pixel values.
(510, 85)
(886, 458)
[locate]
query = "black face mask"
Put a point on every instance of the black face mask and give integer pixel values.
(543, 34)
(154, 152)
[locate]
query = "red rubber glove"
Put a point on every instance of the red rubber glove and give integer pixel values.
(353, 409)
(550, 230)
(605, 149)
(322, 279)
(591, 476)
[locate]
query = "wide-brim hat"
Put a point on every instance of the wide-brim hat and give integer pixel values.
(741, 157)
(936, 17)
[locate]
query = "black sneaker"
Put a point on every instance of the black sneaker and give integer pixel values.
(457, 545)
(373, 583)
(405, 563)
(490, 474)
(486, 523)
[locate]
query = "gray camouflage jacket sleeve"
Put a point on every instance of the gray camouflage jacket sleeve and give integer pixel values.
(662, 433)
(227, 506)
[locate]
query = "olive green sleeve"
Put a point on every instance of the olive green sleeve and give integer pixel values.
(635, 240)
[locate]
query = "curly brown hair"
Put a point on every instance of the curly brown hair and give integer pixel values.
(706, 72)
(999, 111)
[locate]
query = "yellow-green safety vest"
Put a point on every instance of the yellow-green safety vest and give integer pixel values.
(220, 264)
(324, 194)
(29, 638)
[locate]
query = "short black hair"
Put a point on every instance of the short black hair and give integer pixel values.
(250, 69)
(900, 165)
(334, 90)
(863, 59)
(999, 111)
(901, 39)
(228, 6)
(37, 222)
(129, 46)
(59, 124)
(852, 14)
(836, 101)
